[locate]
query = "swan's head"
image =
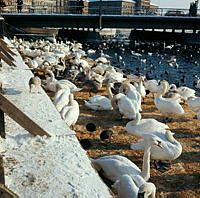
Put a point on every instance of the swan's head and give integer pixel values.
(152, 140)
(147, 190)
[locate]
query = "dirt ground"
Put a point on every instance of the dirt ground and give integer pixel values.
(181, 180)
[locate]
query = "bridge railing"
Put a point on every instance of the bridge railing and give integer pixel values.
(105, 10)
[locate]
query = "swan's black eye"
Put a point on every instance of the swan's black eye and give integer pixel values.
(159, 142)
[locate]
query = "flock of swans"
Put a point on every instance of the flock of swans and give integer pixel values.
(125, 94)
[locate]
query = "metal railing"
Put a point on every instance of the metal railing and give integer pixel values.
(95, 10)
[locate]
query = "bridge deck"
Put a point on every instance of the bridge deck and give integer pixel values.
(108, 21)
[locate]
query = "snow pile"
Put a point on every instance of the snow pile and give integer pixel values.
(43, 167)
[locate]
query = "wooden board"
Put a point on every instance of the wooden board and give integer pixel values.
(7, 193)
(21, 118)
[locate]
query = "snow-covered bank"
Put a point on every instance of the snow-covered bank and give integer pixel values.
(43, 167)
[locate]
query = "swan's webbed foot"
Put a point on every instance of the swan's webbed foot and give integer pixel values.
(161, 166)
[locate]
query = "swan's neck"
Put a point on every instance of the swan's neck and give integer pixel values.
(172, 139)
(146, 163)
(52, 76)
(110, 95)
(137, 119)
(163, 91)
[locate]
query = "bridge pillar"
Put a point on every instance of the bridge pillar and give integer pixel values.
(1, 26)
(194, 31)
(79, 35)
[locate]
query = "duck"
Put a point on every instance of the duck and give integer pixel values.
(70, 113)
(61, 97)
(139, 126)
(167, 106)
(114, 166)
(125, 106)
(171, 148)
(130, 91)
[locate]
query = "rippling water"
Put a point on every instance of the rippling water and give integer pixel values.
(185, 71)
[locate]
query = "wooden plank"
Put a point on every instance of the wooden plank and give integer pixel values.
(21, 118)
(6, 59)
(6, 54)
(6, 192)
(2, 125)
(4, 44)
(2, 177)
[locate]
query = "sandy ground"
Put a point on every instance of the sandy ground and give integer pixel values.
(181, 180)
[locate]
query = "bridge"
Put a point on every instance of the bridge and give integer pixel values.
(103, 21)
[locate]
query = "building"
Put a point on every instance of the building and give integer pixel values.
(76, 7)
(112, 7)
(142, 4)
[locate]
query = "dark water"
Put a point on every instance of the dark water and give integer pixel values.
(184, 72)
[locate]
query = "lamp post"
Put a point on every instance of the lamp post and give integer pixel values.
(100, 14)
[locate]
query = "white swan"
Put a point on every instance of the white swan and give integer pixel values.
(185, 92)
(140, 87)
(139, 127)
(171, 148)
(127, 186)
(99, 102)
(130, 91)
(61, 98)
(51, 83)
(152, 86)
(197, 84)
(115, 166)
(167, 106)
(70, 112)
(194, 104)
(125, 105)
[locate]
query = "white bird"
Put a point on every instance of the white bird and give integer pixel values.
(61, 98)
(167, 106)
(70, 112)
(125, 105)
(185, 92)
(127, 186)
(99, 102)
(52, 82)
(197, 84)
(114, 166)
(152, 86)
(139, 127)
(194, 103)
(171, 148)
(130, 91)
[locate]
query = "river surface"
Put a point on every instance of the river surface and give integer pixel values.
(152, 59)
